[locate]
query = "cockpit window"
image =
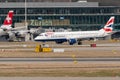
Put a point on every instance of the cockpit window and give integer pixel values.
(43, 34)
(40, 35)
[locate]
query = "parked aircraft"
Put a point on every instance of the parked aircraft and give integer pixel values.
(76, 36)
(11, 33)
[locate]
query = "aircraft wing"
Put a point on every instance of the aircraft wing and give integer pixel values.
(19, 28)
(20, 32)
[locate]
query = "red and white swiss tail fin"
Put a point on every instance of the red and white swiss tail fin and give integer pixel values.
(8, 20)
(108, 28)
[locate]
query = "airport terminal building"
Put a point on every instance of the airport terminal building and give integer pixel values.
(56, 14)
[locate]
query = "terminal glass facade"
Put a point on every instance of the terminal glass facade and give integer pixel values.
(39, 0)
(76, 18)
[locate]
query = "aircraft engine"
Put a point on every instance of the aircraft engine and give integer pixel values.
(11, 36)
(20, 34)
(72, 41)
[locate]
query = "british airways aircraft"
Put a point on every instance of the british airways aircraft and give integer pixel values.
(76, 36)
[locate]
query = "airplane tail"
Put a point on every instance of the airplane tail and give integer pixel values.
(108, 28)
(8, 20)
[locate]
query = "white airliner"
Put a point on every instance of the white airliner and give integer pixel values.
(10, 33)
(76, 36)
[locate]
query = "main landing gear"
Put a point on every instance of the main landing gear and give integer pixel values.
(79, 43)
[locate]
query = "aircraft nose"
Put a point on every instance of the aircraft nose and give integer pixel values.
(36, 38)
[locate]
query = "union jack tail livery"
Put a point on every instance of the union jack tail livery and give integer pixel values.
(8, 20)
(108, 28)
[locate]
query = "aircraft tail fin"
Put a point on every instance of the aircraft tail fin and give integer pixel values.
(8, 20)
(108, 28)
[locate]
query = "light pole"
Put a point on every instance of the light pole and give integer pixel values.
(27, 37)
(26, 15)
